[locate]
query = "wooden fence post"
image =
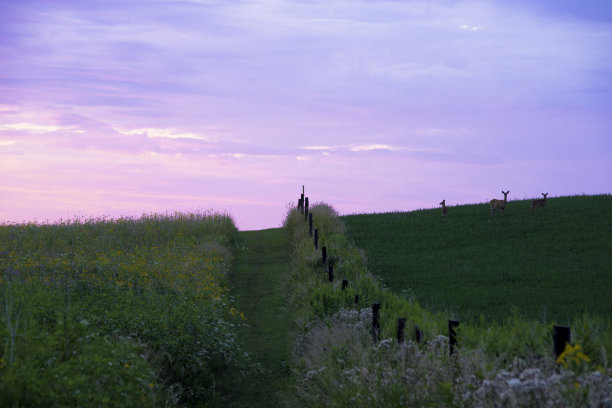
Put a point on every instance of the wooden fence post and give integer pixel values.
(452, 335)
(301, 205)
(418, 334)
(562, 335)
(356, 299)
(324, 255)
(375, 322)
(344, 284)
(330, 273)
(401, 325)
(316, 238)
(310, 224)
(306, 209)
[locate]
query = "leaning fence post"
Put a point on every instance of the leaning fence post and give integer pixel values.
(375, 322)
(561, 336)
(330, 273)
(452, 335)
(306, 208)
(324, 255)
(316, 238)
(357, 299)
(401, 325)
(344, 284)
(310, 224)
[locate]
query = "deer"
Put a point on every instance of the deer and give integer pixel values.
(499, 204)
(539, 202)
(443, 204)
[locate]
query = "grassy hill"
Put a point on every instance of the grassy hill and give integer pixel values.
(551, 264)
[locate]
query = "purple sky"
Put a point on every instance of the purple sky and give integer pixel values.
(111, 108)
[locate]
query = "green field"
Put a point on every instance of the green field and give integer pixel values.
(552, 264)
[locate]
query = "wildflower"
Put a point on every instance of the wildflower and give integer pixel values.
(572, 355)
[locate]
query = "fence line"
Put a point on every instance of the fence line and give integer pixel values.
(561, 334)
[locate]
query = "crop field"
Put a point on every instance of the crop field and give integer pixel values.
(129, 312)
(552, 264)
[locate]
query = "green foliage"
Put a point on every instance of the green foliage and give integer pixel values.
(499, 361)
(129, 312)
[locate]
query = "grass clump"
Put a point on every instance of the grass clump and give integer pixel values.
(128, 312)
(499, 362)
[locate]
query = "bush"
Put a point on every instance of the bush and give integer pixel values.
(129, 312)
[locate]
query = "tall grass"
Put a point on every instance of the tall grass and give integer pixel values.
(506, 362)
(127, 312)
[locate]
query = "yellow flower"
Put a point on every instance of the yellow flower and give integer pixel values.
(572, 355)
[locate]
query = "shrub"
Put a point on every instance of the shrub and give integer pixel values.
(128, 312)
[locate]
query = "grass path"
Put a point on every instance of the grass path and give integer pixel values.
(256, 282)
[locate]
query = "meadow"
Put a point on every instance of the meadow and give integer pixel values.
(184, 310)
(341, 359)
(550, 264)
(127, 312)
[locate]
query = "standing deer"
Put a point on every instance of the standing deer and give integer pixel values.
(539, 202)
(443, 204)
(499, 204)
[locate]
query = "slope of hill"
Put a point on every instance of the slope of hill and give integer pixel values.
(551, 264)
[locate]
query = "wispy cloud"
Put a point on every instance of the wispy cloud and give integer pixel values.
(165, 133)
(471, 28)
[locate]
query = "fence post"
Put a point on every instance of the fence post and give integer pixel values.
(401, 325)
(306, 209)
(561, 336)
(344, 284)
(375, 322)
(316, 238)
(452, 335)
(310, 224)
(356, 299)
(418, 334)
(330, 273)
(324, 254)
(301, 206)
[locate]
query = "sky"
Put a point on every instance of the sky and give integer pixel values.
(122, 107)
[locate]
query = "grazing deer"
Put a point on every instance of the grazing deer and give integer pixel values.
(443, 204)
(539, 202)
(499, 204)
